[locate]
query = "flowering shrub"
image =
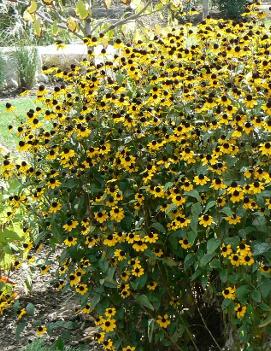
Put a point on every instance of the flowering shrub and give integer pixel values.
(12, 235)
(151, 172)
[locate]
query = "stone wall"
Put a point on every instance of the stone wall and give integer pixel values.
(47, 55)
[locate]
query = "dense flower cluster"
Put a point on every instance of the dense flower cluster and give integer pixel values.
(151, 170)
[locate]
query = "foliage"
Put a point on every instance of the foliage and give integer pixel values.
(27, 63)
(231, 8)
(12, 235)
(78, 17)
(11, 120)
(2, 73)
(150, 171)
(14, 29)
(41, 345)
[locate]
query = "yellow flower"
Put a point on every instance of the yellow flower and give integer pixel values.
(108, 325)
(110, 312)
(240, 310)
(229, 293)
(158, 252)
(70, 241)
(21, 313)
(185, 244)
(117, 214)
(265, 148)
(265, 268)
(151, 238)
(206, 220)
(128, 348)
(41, 330)
(55, 207)
(226, 250)
(101, 216)
(139, 245)
(45, 269)
(9, 107)
(163, 321)
(233, 219)
(247, 260)
(86, 309)
(74, 279)
(201, 179)
(27, 246)
(120, 254)
(217, 184)
(110, 240)
(152, 286)
(82, 288)
(53, 183)
(237, 196)
(137, 271)
(235, 259)
(125, 291)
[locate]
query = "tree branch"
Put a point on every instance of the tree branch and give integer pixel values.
(62, 26)
(209, 331)
(128, 19)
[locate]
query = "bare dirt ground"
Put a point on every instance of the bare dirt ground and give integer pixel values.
(51, 307)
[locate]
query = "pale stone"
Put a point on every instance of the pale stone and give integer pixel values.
(52, 56)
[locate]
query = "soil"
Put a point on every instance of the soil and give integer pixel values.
(57, 309)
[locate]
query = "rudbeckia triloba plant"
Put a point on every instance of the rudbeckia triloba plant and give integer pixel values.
(150, 171)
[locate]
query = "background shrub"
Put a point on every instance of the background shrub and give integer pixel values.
(231, 9)
(150, 171)
(27, 65)
(2, 73)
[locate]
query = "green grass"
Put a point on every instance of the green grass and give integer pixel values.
(22, 105)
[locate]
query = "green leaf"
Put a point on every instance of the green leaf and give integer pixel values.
(223, 276)
(37, 27)
(264, 307)
(205, 260)
(212, 245)
(151, 325)
(168, 185)
(189, 260)
(227, 211)
(242, 292)
(194, 194)
(159, 227)
(8, 235)
(20, 328)
(209, 205)
(143, 300)
(110, 273)
(140, 282)
(169, 262)
(260, 248)
(95, 300)
(82, 9)
(30, 308)
(171, 208)
(59, 344)
(259, 221)
(191, 236)
(28, 284)
(265, 288)
(266, 322)
(226, 303)
(215, 263)
(256, 296)
(196, 209)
